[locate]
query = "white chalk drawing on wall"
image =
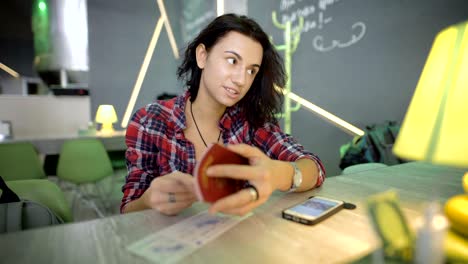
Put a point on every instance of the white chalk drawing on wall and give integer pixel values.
(319, 42)
(316, 20)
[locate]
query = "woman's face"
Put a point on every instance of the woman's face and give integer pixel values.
(229, 68)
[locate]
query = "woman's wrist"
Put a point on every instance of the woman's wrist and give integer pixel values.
(282, 175)
(144, 202)
(137, 204)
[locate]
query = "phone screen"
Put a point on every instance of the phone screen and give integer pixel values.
(314, 206)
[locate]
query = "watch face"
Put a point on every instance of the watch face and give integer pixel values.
(297, 179)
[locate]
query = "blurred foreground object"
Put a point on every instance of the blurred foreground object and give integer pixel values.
(435, 128)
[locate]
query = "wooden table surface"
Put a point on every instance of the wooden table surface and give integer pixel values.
(264, 237)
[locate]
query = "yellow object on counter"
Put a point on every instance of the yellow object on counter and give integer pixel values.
(456, 210)
(456, 248)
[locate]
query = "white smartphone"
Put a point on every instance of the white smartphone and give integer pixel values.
(313, 210)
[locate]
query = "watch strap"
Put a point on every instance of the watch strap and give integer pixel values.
(297, 177)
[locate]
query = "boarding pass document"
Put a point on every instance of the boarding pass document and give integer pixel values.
(175, 242)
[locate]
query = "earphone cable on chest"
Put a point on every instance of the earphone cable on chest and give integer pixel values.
(199, 133)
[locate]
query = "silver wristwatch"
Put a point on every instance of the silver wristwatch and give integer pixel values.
(297, 178)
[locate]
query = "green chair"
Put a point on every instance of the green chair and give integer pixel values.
(85, 162)
(20, 161)
(44, 192)
(363, 167)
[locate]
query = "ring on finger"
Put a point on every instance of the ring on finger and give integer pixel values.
(171, 197)
(253, 193)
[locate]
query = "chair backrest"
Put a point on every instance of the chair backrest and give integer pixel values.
(83, 161)
(20, 161)
(44, 192)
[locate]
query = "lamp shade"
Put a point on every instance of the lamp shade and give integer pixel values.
(435, 128)
(106, 114)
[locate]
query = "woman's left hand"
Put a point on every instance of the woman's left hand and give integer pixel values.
(258, 173)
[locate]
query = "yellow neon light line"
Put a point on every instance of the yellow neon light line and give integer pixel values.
(142, 73)
(9, 70)
(172, 41)
(149, 53)
(327, 115)
(220, 7)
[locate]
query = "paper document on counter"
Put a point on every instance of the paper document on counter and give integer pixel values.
(181, 239)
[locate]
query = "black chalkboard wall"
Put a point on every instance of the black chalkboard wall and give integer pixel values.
(359, 59)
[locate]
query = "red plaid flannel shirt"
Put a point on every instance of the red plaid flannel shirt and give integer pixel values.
(157, 145)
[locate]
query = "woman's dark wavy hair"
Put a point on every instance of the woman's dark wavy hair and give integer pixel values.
(262, 101)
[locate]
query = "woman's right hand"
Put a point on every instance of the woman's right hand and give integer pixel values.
(170, 193)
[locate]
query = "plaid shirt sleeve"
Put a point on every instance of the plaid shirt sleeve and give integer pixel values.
(140, 156)
(281, 146)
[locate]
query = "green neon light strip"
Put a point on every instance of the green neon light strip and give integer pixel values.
(42, 6)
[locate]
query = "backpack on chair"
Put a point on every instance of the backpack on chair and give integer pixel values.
(17, 214)
(375, 146)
